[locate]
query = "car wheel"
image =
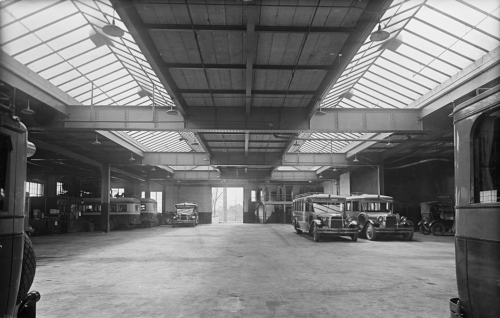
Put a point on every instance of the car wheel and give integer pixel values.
(370, 232)
(438, 229)
(297, 229)
(316, 234)
(169, 221)
(28, 269)
(408, 236)
(425, 230)
(355, 237)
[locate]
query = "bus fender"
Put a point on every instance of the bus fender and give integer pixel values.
(318, 223)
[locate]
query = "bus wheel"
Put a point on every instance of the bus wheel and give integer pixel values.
(297, 229)
(370, 232)
(169, 221)
(28, 269)
(438, 229)
(316, 234)
(408, 236)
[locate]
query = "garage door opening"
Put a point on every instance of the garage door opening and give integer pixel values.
(227, 205)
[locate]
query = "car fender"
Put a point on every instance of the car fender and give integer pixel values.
(353, 224)
(424, 222)
(435, 221)
(318, 222)
(409, 223)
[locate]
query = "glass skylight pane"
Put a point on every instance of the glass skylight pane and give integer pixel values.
(71, 85)
(414, 54)
(455, 59)
(48, 16)
(45, 62)
(77, 49)
(99, 63)
(431, 33)
(432, 74)
(53, 71)
(408, 64)
(60, 27)
(398, 98)
(444, 67)
(482, 40)
(90, 55)
(468, 50)
(33, 53)
(23, 8)
(5, 18)
(398, 79)
(117, 82)
(397, 87)
(132, 100)
(491, 26)
(442, 22)
(65, 77)
(103, 71)
(122, 88)
(111, 77)
(362, 103)
(371, 90)
(20, 44)
(69, 38)
(457, 10)
(76, 92)
(12, 31)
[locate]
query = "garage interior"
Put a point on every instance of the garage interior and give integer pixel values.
(170, 99)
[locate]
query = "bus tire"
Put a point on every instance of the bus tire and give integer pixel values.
(370, 232)
(28, 269)
(297, 229)
(316, 235)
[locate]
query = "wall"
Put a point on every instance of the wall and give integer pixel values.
(345, 184)
(330, 187)
(364, 180)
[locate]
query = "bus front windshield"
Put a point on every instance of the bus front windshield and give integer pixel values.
(185, 209)
(377, 206)
(328, 207)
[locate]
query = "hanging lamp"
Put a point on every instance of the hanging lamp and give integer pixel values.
(96, 142)
(112, 29)
(172, 111)
(131, 157)
(319, 112)
(28, 110)
(379, 35)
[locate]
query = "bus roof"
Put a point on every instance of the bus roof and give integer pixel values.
(111, 200)
(146, 200)
(370, 197)
(312, 195)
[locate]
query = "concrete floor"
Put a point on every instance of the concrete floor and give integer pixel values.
(241, 270)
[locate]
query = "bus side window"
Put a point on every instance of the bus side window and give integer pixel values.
(143, 207)
(112, 207)
(348, 206)
(355, 206)
(98, 208)
(122, 208)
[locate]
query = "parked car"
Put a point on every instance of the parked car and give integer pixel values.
(166, 218)
(438, 217)
(375, 217)
(185, 213)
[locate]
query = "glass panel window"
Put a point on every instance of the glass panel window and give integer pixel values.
(486, 158)
(117, 192)
(59, 190)
(34, 189)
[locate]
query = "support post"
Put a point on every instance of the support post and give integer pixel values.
(147, 187)
(105, 196)
(224, 203)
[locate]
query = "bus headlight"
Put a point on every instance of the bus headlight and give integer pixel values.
(403, 219)
(192, 216)
(349, 220)
(380, 219)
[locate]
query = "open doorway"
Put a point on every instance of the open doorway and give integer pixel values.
(227, 205)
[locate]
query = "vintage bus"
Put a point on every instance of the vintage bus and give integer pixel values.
(149, 214)
(321, 214)
(185, 213)
(375, 218)
(17, 257)
(123, 212)
(477, 191)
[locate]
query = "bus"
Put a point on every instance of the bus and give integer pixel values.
(477, 192)
(320, 214)
(123, 212)
(375, 217)
(185, 213)
(149, 214)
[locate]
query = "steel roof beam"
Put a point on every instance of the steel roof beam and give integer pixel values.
(19, 76)
(481, 72)
(243, 66)
(293, 175)
(243, 28)
(241, 92)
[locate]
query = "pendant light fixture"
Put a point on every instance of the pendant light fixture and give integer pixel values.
(319, 112)
(28, 110)
(195, 143)
(131, 157)
(355, 158)
(96, 142)
(379, 35)
(172, 111)
(112, 29)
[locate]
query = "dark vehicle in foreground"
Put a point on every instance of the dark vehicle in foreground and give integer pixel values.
(375, 217)
(438, 217)
(185, 213)
(320, 214)
(477, 194)
(17, 257)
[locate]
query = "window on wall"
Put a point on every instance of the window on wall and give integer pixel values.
(158, 197)
(486, 154)
(34, 189)
(59, 188)
(253, 196)
(117, 191)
